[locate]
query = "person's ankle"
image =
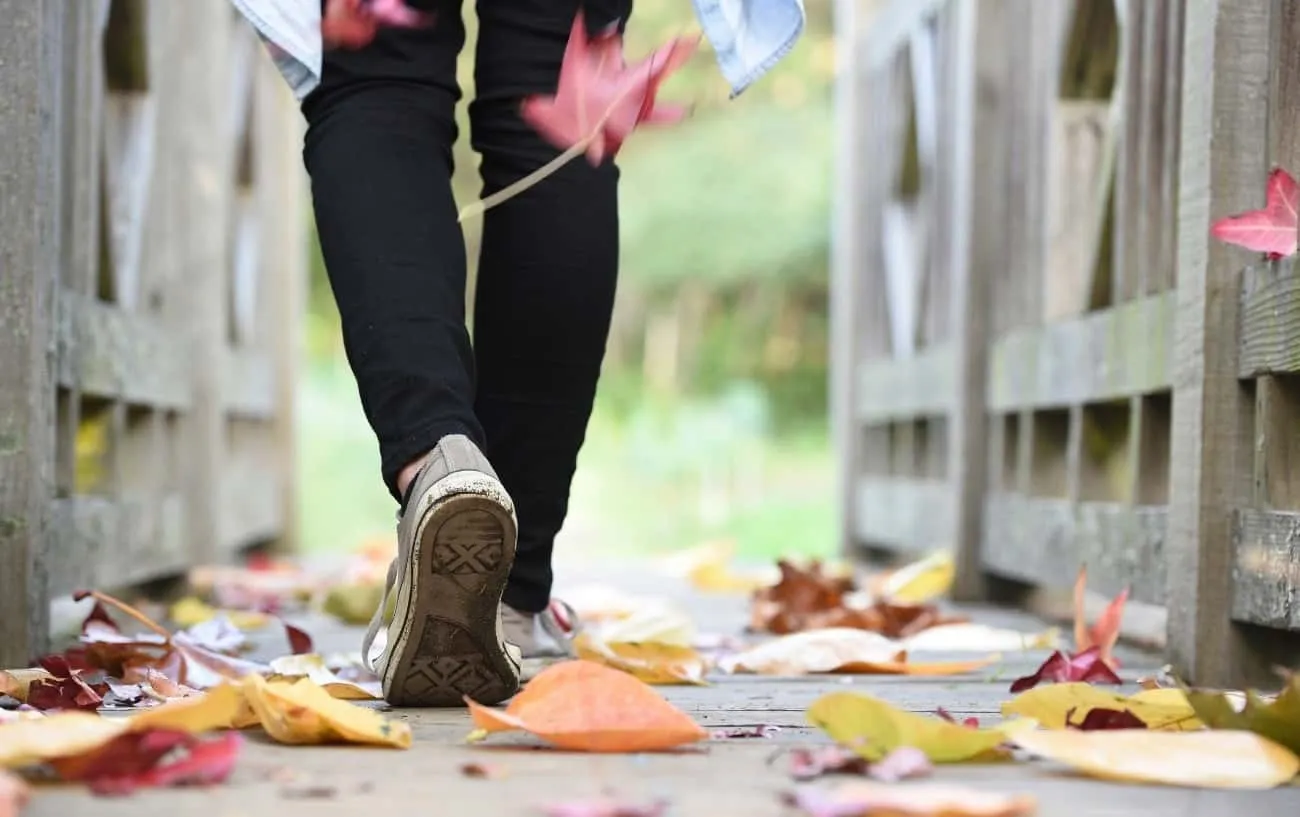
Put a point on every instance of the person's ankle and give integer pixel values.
(408, 474)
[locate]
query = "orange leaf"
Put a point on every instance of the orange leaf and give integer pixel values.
(1105, 632)
(584, 706)
(902, 666)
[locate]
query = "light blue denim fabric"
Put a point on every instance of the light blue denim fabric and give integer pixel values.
(748, 36)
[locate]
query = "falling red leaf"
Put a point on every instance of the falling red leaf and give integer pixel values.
(1272, 229)
(67, 689)
(600, 100)
(151, 758)
(354, 23)
(299, 639)
(1086, 666)
(972, 722)
(1105, 633)
(1100, 718)
(607, 807)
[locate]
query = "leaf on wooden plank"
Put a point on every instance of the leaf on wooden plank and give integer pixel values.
(861, 798)
(920, 582)
(482, 771)
(1162, 709)
(842, 650)
(657, 664)
(222, 707)
(354, 23)
(64, 689)
(14, 794)
(152, 758)
(584, 706)
(309, 665)
(17, 682)
(1276, 718)
(1105, 632)
(26, 741)
(1271, 229)
(1086, 666)
(650, 623)
(873, 729)
(813, 762)
(192, 610)
(972, 721)
(765, 730)
(1216, 760)
(302, 712)
(354, 603)
(980, 638)
(606, 807)
(600, 99)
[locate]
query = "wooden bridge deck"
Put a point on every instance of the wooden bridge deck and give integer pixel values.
(720, 777)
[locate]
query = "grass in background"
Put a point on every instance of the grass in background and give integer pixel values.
(665, 477)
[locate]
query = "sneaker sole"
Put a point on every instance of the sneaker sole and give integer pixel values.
(449, 648)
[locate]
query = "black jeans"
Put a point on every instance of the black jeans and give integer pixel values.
(378, 149)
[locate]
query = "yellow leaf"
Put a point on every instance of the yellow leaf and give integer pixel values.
(1160, 709)
(292, 667)
(191, 610)
(872, 728)
(355, 603)
(657, 623)
(922, 581)
(658, 664)
(1277, 719)
(302, 712)
(16, 682)
(222, 707)
(1213, 760)
(24, 742)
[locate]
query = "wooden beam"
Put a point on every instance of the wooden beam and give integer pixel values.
(893, 27)
(1266, 568)
(906, 388)
(1270, 320)
(912, 516)
(101, 542)
(1224, 162)
(31, 48)
(249, 384)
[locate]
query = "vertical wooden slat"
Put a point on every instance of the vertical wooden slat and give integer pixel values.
(1128, 226)
(31, 46)
(1164, 271)
(1224, 131)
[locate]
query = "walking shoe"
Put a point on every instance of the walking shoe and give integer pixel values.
(455, 547)
(542, 638)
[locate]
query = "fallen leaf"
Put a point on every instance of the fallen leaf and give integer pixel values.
(218, 634)
(606, 807)
(14, 794)
(904, 763)
(192, 610)
(354, 23)
(972, 722)
(765, 730)
(600, 100)
(222, 707)
(150, 759)
(1097, 719)
(707, 569)
(1105, 632)
(857, 799)
(25, 741)
(17, 682)
(302, 712)
(873, 729)
(842, 650)
(584, 706)
(483, 771)
(659, 664)
(921, 581)
(1162, 709)
(1271, 229)
(64, 689)
(353, 603)
(651, 623)
(1085, 666)
(811, 599)
(979, 638)
(810, 763)
(1215, 760)
(1277, 719)
(310, 665)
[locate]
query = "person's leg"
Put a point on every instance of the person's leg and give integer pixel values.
(378, 149)
(546, 278)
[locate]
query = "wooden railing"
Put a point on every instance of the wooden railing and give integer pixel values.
(151, 246)
(1044, 359)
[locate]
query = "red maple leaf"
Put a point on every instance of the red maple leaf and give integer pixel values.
(354, 23)
(65, 690)
(151, 758)
(600, 100)
(1105, 632)
(1271, 230)
(1086, 666)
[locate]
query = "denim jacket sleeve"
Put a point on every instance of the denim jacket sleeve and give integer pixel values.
(748, 36)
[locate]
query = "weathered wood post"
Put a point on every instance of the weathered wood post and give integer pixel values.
(30, 57)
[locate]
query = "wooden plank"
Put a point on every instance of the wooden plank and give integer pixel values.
(108, 352)
(1128, 225)
(249, 383)
(31, 48)
(892, 28)
(1284, 115)
(98, 542)
(904, 515)
(1044, 541)
(904, 388)
(1270, 320)
(1224, 162)
(252, 509)
(1110, 354)
(1266, 568)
